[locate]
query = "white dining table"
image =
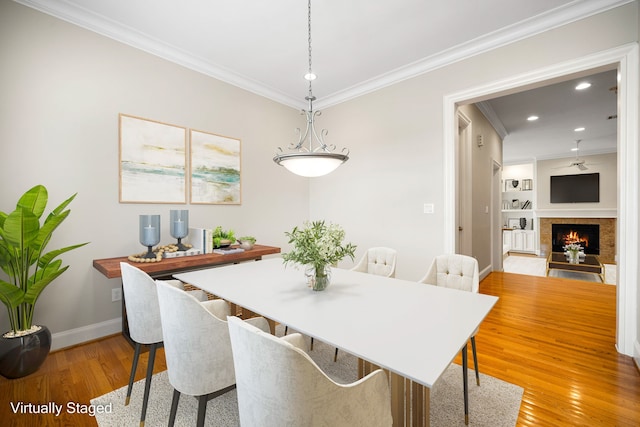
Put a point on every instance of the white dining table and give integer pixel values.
(412, 330)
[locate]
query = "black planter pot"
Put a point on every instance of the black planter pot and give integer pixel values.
(21, 356)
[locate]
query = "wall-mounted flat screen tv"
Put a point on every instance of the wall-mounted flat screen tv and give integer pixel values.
(580, 188)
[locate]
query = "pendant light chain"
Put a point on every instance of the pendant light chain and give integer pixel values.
(309, 40)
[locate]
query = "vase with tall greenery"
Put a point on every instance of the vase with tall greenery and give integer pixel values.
(318, 246)
(23, 255)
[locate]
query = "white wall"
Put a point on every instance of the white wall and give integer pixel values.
(636, 352)
(482, 163)
(62, 89)
(396, 139)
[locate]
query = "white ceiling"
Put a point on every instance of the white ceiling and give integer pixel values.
(561, 109)
(358, 45)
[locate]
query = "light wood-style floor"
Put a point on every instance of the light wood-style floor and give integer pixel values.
(553, 337)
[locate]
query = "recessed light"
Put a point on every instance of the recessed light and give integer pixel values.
(583, 85)
(578, 129)
(532, 118)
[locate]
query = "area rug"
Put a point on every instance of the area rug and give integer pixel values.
(494, 403)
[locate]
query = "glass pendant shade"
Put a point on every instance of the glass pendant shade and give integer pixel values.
(311, 164)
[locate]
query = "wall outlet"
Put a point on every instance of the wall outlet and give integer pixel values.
(116, 294)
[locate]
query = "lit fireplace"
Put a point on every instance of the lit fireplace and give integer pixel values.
(586, 235)
(575, 237)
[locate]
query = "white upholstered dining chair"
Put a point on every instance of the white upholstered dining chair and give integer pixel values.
(460, 272)
(143, 318)
(278, 384)
(379, 260)
(197, 347)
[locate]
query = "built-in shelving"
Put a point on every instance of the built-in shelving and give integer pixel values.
(518, 201)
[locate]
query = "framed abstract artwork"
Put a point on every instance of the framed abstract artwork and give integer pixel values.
(215, 169)
(152, 161)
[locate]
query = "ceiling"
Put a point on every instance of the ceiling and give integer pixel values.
(561, 109)
(358, 45)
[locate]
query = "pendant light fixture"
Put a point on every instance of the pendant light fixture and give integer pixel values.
(311, 156)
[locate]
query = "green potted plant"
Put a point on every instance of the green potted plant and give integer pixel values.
(30, 268)
(222, 238)
(318, 246)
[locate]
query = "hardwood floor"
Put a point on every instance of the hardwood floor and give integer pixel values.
(553, 337)
(75, 375)
(556, 339)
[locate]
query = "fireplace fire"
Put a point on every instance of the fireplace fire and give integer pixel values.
(575, 237)
(586, 235)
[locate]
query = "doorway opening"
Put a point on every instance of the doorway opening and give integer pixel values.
(625, 59)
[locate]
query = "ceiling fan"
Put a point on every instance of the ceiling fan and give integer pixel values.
(578, 162)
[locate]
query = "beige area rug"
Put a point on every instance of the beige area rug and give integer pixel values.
(537, 266)
(495, 403)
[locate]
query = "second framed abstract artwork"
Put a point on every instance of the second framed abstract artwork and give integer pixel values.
(215, 169)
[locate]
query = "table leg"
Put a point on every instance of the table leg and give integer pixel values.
(410, 401)
(465, 385)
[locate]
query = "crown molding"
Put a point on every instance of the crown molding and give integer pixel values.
(114, 30)
(563, 15)
(489, 113)
(84, 18)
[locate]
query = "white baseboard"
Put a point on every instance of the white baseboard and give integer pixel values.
(485, 272)
(86, 333)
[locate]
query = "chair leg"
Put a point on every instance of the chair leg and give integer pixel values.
(174, 407)
(147, 383)
(335, 355)
(475, 359)
(286, 329)
(134, 366)
(311, 347)
(202, 410)
(465, 385)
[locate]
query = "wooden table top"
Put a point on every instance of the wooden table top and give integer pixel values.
(110, 267)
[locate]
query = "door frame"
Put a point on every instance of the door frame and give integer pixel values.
(625, 59)
(464, 222)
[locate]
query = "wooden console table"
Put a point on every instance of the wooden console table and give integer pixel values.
(110, 267)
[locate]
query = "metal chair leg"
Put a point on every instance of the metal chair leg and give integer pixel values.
(174, 407)
(134, 366)
(475, 359)
(147, 382)
(202, 410)
(335, 355)
(465, 384)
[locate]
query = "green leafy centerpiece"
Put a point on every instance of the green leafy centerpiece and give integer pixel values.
(318, 246)
(222, 238)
